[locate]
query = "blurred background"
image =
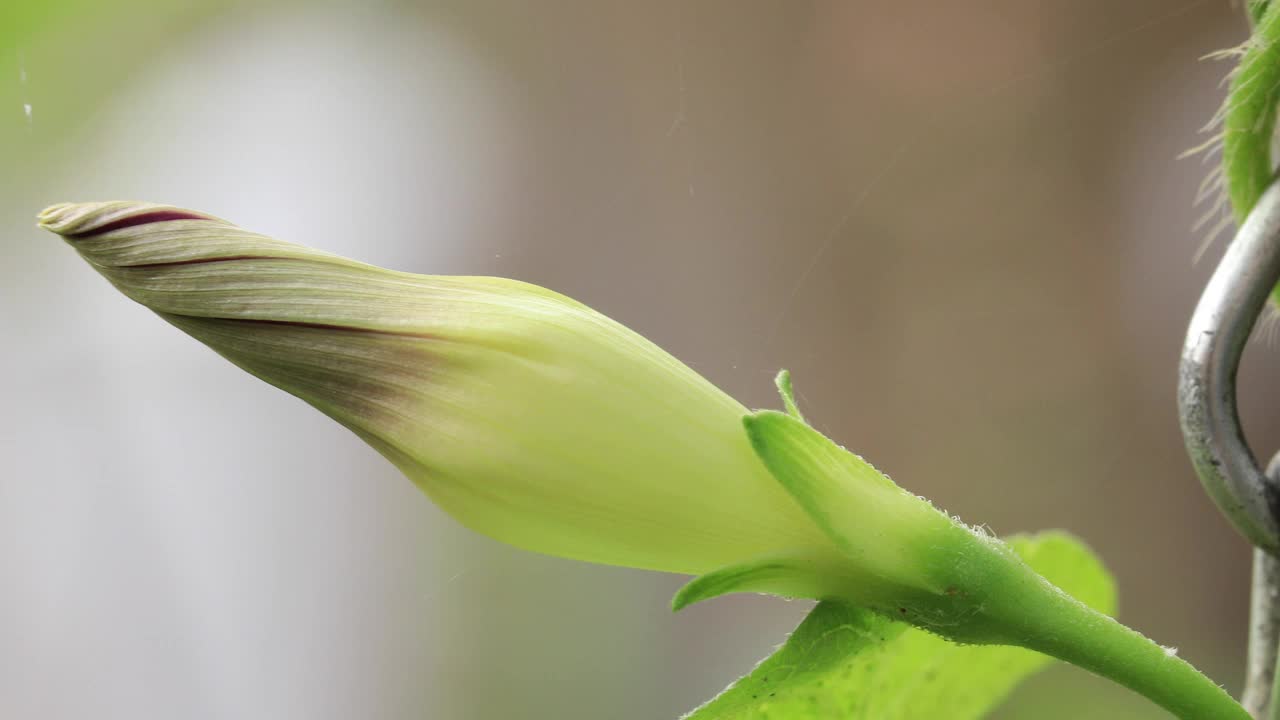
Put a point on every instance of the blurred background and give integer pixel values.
(962, 226)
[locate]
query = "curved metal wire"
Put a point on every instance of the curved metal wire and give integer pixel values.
(1264, 630)
(1226, 314)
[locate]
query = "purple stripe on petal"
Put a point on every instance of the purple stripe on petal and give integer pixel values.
(202, 261)
(144, 218)
(328, 326)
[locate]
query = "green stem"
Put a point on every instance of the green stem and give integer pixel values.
(1063, 628)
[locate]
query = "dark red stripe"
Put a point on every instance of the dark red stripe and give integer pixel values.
(327, 326)
(145, 218)
(201, 261)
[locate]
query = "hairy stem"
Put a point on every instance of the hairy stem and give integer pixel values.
(1068, 630)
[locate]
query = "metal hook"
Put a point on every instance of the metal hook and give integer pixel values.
(1264, 629)
(1223, 319)
(1227, 312)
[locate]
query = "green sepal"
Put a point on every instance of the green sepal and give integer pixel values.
(783, 381)
(773, 574)
(820, 475)
(882, 528)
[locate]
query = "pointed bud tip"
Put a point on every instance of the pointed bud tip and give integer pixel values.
(54, 217)
(80, 220)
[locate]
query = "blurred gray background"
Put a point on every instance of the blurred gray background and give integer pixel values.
(961, 225)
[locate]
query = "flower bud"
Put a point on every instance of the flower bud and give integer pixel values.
(533, 419)
(526, 415)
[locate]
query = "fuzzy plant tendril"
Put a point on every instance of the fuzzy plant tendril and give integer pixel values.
(1247, 119)
(1255, 9)
(1249, 113)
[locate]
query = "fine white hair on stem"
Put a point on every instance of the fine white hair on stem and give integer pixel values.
(1211, 193)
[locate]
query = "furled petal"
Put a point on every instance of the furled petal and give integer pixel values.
(524, 414)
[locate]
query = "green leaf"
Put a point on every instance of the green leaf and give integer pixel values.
(849, 663)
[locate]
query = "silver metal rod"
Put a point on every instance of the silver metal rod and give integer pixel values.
(1264, 627)
(1226, 314)
(1264, 634)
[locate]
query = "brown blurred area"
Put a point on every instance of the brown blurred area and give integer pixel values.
(962, 227)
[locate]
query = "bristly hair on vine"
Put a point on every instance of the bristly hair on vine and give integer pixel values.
(1241, 132)
(1211, 194)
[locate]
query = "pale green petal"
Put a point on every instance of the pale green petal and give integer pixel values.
(524, 414)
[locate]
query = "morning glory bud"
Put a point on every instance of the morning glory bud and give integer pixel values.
(524, 414)
(533, 419)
